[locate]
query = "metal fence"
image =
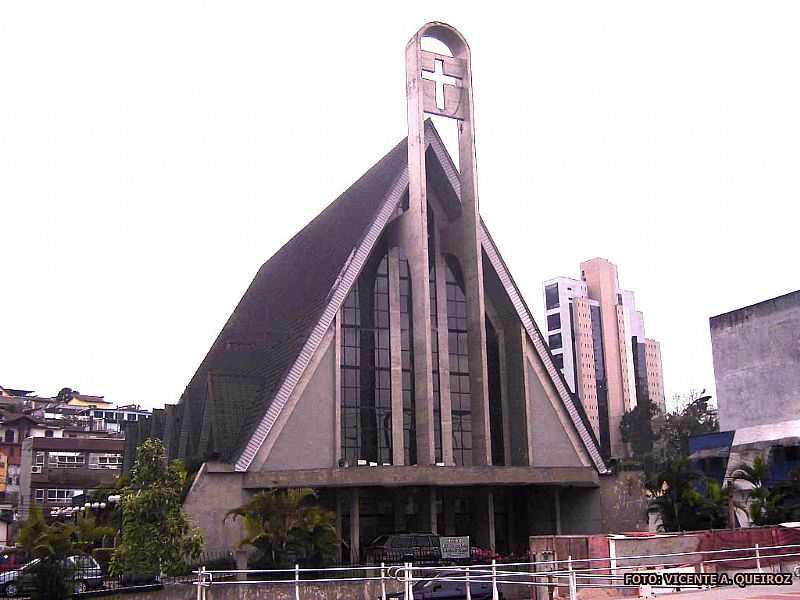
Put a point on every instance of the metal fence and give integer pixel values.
(569, 574)
(97, 583)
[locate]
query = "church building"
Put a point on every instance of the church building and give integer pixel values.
(385, 358)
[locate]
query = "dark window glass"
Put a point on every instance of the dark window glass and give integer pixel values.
(407, 359)
(558, 360)
(555, 341)
(551, 296)
(366, 427)
(458, 351)
(495, 394)
(553, 322)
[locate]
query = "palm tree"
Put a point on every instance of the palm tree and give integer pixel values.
(50, 544)
(765, 503)
(710, 502)
(668, 488)
(282, 524)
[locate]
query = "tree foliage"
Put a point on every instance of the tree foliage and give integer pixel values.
(696, 417)
(156, 534)
(636, 428)
(287, 526)
(765, 503)
(50, 544)
(685, 499)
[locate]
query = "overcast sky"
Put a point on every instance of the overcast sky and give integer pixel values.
(154, 154)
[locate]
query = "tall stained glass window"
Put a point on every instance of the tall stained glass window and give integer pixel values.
(365, 365)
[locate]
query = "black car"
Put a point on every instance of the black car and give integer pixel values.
(449, 585)
(84, 574)
(399, 547)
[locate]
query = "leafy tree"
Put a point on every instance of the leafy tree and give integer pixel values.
(65, 394)
(765, 503)
(88, 532)
(686, 500)
(156, 533)
(696, 417)
(636, 427)
(287, 525)
(49, 545)
(711, 502)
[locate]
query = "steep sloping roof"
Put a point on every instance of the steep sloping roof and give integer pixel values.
(241, 386)
(267, 330)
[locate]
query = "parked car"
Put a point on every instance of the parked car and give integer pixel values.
(449, 585)
(398, 547)
(8, 561)
(84, 574)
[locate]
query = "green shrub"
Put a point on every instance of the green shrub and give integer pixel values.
(103, 557)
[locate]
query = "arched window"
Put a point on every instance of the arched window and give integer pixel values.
(458, 351)
(365, 365)
(48, 433)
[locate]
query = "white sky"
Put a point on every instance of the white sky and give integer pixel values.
(154, 154)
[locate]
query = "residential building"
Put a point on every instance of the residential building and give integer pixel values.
(385, 357)
(55, 469)
(756, 352)
(597, 339)
(50, 418)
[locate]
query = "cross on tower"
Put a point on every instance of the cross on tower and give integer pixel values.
(440, 79)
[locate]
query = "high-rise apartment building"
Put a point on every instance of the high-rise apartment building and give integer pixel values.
(597, 339)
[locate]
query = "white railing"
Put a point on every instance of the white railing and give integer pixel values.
(550, 573)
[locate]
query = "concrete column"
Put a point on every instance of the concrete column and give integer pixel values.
(337, 389)
(444, 357)
(557, 508)
(449, 500)
(527, 397)
(427, 509)
(399, 508)
(483, 518)
(241, 564)
(338, 524)
(355, 528)
(395, 343)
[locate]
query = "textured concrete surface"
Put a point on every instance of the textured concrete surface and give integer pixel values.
(756, 353)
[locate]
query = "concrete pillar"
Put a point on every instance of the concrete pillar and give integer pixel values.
(395, 345)
(399, 508)
(337, 390)
(557, 508)
(444, 356)
(340, 508)
(426, 505)
(449, 500)
(483, 518)
(355, 528)
(241, 563)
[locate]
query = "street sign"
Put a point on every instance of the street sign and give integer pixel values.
(455, 547)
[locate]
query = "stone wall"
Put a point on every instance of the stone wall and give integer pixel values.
(233, 591)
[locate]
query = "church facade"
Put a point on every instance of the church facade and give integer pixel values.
(385, 357)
